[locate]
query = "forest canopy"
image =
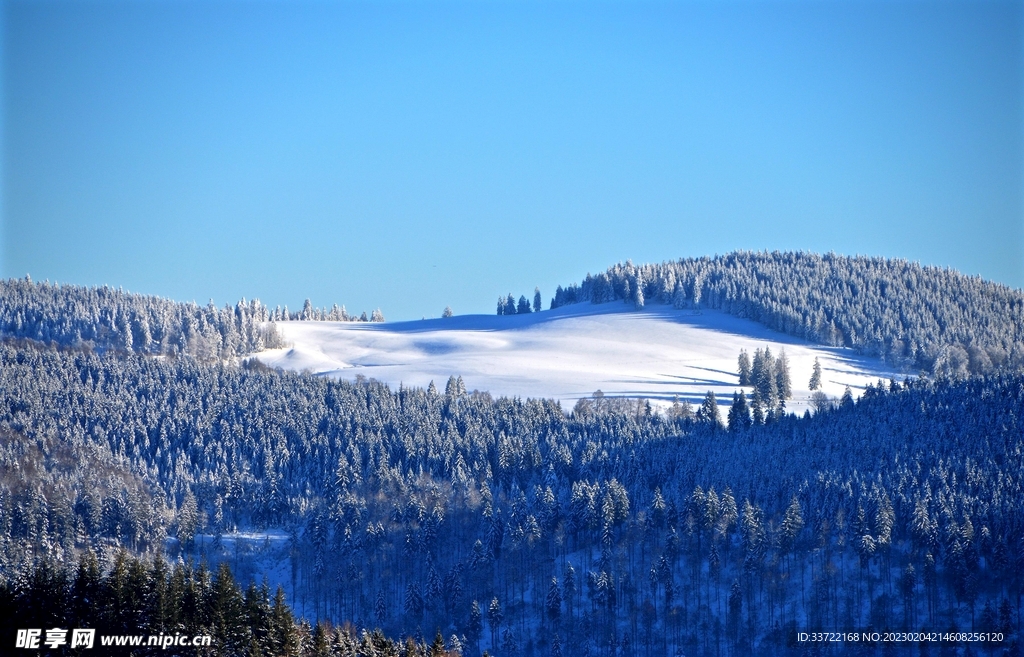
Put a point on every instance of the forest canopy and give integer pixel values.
(920, 318)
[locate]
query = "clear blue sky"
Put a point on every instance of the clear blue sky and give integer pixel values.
(413, 155)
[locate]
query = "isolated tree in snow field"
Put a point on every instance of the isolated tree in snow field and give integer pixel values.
(447, 312)
(815, 382)
(537, 302)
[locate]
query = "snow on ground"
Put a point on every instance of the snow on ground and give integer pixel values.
(568, 353)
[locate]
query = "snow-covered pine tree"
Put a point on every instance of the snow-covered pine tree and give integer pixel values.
(743, 363)
(815, 382)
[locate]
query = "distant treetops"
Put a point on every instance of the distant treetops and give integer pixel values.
(509, 306)
(103, 318)
(917, 318)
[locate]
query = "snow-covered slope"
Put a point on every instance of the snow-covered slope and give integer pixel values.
(568, 353)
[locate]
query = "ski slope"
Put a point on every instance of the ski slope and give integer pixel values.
(568, 353)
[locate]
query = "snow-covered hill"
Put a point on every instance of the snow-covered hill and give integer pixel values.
(568, 353)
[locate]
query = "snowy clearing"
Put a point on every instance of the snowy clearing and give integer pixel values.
(568, 353)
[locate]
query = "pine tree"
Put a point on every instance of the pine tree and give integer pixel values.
(680, 410)
(227, 608)
(815, 382)
(708, 412)
(413, 601)
(523, 307)
(284, 640)
(792, 523)
(739, 412)
(188, 519)
(744, 368)
(734, 617)
(494, 618)
(509, 644)
(475, 626)
(553, 602)
(321, 641)
(437, 647)
(537, 302)
(783, 383)
(569, 588)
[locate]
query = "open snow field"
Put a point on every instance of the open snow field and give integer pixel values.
(569, 353)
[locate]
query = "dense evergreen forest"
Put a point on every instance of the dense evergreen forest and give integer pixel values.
(919, 318)
(103, 318)
(137, 441)
(513, 525)
(143, 598)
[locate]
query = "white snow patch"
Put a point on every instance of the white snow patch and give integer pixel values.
(568, 353)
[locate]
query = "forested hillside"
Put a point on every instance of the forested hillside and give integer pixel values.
(145, 599)
(920, 318)
(521, 528)
(103, 318)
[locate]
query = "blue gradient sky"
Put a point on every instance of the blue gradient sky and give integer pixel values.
(412, 155)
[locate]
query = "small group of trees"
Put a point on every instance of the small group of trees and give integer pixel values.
(509, 306)
(309, 313)
(770, 378)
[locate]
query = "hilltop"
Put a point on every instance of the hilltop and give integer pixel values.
(657, 353)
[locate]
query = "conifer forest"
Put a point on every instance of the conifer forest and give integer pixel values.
(140, 438)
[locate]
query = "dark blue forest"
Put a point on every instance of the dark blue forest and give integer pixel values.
(450, 521)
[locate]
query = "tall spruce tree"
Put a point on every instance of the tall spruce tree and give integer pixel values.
(815, 382)
(739, 412)
(744, 368)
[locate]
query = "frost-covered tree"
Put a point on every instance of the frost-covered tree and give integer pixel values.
(708, 412)
(743, 367)
(815, 382)
(783, 382)
(739, 412)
